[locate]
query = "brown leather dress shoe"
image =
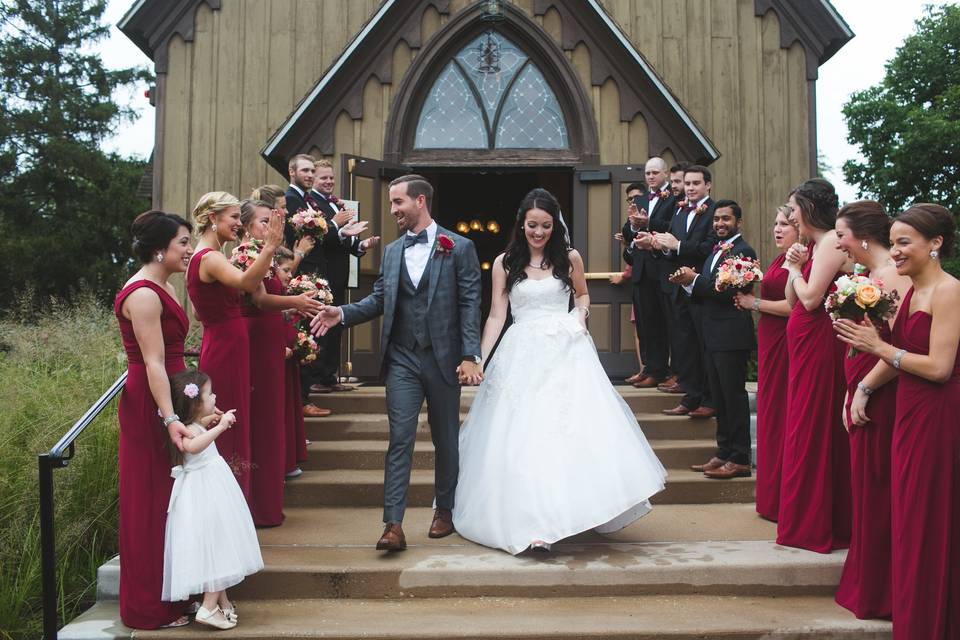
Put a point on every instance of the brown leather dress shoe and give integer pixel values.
(673, 388)
(703, 412)
(392, 538)
(647, 383)
(715, 463)
(313, 411)
(678, 410)
(442, 524)
(637, 377)
(730, 470)
(320, 388)
(669, 382)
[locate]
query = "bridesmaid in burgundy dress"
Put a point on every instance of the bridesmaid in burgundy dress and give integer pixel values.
(153, 326)
(214, 286)
(815, 482)
(296, 439)
(863, 232)
(772, 366)
(267, 331)
(925, 458)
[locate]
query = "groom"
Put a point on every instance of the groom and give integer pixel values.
(429, 295)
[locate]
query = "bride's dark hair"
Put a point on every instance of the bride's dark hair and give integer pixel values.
(555, 253)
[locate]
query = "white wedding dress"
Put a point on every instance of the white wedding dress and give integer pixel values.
(549, 448)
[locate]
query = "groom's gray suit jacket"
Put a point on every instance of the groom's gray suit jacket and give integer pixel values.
(453, 301)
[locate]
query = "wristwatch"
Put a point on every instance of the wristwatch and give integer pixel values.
(473, 359)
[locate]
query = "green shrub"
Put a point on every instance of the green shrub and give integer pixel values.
(54, 365)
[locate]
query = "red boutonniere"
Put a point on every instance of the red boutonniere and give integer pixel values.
(444, 244)
(335, 200)
(698, 210)
(663, 193)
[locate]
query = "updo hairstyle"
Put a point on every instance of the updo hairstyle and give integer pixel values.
(209, 205)
(152, 231)
(930, 221)
(868, 220)
(818, 203)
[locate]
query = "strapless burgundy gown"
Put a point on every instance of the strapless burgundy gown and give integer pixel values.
(925, 460)
(268, 339)
(225, 357)
(865, 584)
(144, 469)
(815, 509)
(772, 369)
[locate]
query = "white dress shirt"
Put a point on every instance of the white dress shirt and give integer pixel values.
(416, 256)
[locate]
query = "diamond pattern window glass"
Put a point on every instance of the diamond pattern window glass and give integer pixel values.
(451, 117)
(491, 95)
(531, 117)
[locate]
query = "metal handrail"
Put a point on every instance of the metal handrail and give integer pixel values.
(47, 462)
(57, 458)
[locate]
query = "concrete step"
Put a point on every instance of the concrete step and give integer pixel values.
(370, 454)
(635, 618)
(372, 399)
(364, 488)
(375, 426)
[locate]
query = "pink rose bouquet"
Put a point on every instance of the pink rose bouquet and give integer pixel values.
(311, 282)
(857, 297)
(308, 222)
(738, 273)
(245, 254)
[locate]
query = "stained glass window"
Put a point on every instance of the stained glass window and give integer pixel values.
(491, 95)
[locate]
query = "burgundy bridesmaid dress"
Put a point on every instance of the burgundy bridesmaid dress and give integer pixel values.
(225, 357)
(865, 584)
(925, 460)
(145, 481)
(268, 340)
(771, 391)
(296, 439)
(815, 480)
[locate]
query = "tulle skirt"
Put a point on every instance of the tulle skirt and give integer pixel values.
(549, 448)
(211, 543)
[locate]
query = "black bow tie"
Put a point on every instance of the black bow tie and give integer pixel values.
(409, 240)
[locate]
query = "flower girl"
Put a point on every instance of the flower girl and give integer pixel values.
(211, 543)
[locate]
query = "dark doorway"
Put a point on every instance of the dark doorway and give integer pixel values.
(490, 197)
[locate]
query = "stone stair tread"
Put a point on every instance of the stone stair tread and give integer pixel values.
(421, 476)
(671, 617)
(381, 445)
(351, 526)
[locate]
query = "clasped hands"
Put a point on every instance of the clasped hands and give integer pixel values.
(797, 255)
(469, 373)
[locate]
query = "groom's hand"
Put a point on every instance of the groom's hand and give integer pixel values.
(327, 318)
(469, 373)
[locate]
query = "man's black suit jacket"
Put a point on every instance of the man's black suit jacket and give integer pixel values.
(725, 327)
(696, 243)
(649, 262)
(336, 250)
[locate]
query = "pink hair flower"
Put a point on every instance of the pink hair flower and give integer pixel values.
(191, 391)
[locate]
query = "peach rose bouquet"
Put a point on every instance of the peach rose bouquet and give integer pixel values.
(855, 297)
(738, 273)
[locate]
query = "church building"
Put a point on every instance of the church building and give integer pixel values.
(489, 99)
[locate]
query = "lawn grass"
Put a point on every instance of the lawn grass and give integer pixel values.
(54, 364)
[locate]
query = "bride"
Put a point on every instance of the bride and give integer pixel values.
(549, 448)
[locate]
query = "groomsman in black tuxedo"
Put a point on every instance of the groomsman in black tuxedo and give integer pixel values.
(649, 213)
(728, 340)
(676, 178)
(688, 243)
(337, 250)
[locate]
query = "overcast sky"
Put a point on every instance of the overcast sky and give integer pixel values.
(880, 26)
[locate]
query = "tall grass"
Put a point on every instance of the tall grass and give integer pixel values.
(54, 364)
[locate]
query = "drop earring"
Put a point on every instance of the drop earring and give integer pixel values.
(864, 245)
(934, 254)
(214, 226)
(159, 257)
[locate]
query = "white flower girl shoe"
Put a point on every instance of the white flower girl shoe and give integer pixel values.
(210, 618)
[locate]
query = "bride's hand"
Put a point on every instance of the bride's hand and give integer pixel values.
(469, 373)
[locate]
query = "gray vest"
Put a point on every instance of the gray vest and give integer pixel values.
(410, 317)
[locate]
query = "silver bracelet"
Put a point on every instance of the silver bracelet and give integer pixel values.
(299, 254)
(866, 390)
(897, 357)
(756, 304)
(170, 419)
(586, 311)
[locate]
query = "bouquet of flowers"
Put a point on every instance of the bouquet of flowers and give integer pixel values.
(738, 272)
(858, 296)
(307, 282)
(246, 253)
(308, 222)
(305, 348)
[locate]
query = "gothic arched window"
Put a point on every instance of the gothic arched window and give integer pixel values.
(491, 96)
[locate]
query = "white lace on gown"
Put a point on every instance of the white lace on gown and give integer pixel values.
(211, 543)
(549, 448)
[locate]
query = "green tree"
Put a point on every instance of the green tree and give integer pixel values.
(908, 126)
(65, 205)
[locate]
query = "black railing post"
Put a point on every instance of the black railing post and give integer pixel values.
(48, 556)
